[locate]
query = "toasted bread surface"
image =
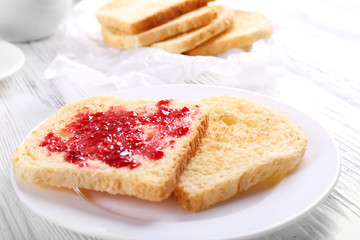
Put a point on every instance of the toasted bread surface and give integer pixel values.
(190, 40)
(246, 143)
(184, 23)
(248, 27)
(136, 16)
(153, 180)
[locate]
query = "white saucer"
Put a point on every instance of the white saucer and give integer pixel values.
(11, 59)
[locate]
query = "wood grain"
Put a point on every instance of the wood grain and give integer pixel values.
(322, 84)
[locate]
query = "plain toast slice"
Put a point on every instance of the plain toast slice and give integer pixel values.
(190, 40)
(132, 147)
(136, 16)
(184, 23)
(246, 143)
(248, 27)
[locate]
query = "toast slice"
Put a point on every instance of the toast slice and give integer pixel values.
(246, 143)
(248, 27)
(132, 147)
(136, 16)
(184, 23)
(190, 40)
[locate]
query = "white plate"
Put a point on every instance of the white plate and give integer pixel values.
(11, 59)
(252, 214)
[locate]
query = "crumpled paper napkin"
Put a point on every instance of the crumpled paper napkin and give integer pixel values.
(85, 59)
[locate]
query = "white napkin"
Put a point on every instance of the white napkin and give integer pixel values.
(85, 59)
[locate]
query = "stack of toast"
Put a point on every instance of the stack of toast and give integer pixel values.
(202, 152)
(190, 27)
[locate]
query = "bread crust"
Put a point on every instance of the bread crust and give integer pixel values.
(190, 40)
(159, 15)
(153, 180)
(248, 27)
(184, 23)
(246, 143)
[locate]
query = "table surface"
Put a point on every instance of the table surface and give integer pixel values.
(322, 50)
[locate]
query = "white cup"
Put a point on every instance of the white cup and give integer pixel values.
(26, 20)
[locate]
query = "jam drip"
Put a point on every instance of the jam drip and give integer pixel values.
(116, 135)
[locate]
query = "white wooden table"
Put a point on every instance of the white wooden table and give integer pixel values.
(322, 56)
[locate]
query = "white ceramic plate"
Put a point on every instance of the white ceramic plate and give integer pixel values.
(252, 214)
(11, 59)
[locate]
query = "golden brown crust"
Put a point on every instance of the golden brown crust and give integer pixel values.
(189, 40)
(248, 27)
(184, 23)
(167, 15)
(148, 22)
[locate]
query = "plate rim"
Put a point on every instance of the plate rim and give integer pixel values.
(266, 230)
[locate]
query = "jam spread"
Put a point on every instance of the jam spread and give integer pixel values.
(116, 135)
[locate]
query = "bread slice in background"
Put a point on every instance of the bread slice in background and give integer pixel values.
(136, 16)
(246, 143)
(184, 23)
(190, 40)
(248, 27)
(153, 180)
(246, 48)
